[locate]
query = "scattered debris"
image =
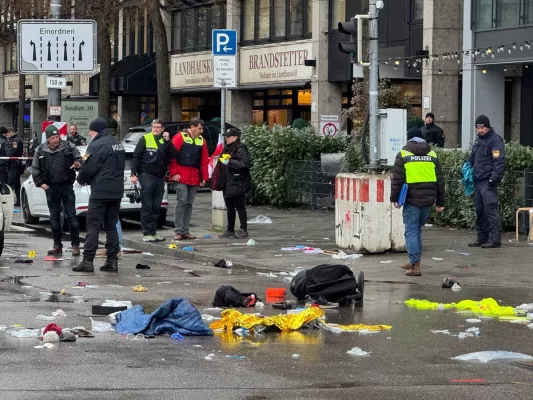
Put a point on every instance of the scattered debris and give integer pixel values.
(52, 258)
(386, 262)
(260, 219)
(45, 318)
(223, 264)
(139, 288)
(250, 242)
(487, 307)
(24, 333)
(473, 321)
(142, 266)
(31, 254)
(428, 225)
(343, 256)
(188, 248)
(172, 246)
(50, 337)
(448, 283)
(236, 357)
(295, 356)
(437, 259)
(456, 287)
(486, 356)
(443, 331)
(44, 346)
(100, 327)
(23, 261)
(177, 336)
(207, 236)
(465, 254)
(147, 254)
(356, 351)
(59, 313)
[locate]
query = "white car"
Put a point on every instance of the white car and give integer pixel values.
(34, 205)
(6, 211)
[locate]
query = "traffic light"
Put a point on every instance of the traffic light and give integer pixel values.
(349, 28)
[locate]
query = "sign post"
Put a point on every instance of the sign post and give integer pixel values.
(224, 70)
(55, 47)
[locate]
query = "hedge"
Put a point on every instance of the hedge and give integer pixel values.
(271, 150)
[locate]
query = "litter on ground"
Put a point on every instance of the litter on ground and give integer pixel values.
(356, 351)
(486, 356)
(488, 307)
(260, 219)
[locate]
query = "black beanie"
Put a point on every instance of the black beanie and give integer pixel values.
(483, 120)
(431, 115)
(98, 125)
(413, 132)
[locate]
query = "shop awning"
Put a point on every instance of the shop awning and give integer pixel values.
(133, 75)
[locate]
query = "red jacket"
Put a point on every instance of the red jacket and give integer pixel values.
(189, 175)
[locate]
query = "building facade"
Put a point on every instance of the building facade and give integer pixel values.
(498, 76)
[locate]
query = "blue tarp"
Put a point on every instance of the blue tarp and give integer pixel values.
(468, 178)
(176, 315)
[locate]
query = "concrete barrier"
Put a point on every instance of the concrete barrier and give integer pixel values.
(365, 219)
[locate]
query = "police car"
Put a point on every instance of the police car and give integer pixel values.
(6, 211)
(34, 205)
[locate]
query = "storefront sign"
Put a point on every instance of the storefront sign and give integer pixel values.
(11, 86)
(191, 71)
(80, 113)
(43, 90)
(278, 63)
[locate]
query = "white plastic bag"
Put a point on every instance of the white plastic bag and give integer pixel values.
(486, 356)
(356, 351)
(99, 326)
(260, 219)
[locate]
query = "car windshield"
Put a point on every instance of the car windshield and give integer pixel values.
(133, 136)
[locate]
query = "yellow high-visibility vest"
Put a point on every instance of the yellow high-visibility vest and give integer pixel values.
(419, 169)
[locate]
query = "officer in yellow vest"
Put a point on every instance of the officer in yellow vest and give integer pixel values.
(149, 167)
(417, 166)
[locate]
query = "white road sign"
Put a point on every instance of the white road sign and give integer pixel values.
(56, 46)
(224, 72)
(55, 82)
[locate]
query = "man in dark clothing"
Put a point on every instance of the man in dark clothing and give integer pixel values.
(488, 162)
(75, 138)
(432, 133)
(4, 164)
(417, 166)
(14, 148)
(103, 169)
(53, 171)
(149, 167)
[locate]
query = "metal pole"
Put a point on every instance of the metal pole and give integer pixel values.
(374, 84)
(54, 95)
(223, 107)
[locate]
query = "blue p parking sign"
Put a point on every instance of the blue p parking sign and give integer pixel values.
(224, 42)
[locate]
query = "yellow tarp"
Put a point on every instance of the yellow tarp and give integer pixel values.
(358, 327)
(488, 307)
(232, 319)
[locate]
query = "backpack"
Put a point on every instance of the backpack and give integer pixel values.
(336, 283)
(228, 296)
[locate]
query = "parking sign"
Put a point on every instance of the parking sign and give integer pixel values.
(224, 42)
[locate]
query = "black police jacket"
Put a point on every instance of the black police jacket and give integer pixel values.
(433, 134)
(238, 178)
(488, 157)
(77, 140)
(52, 166)
(4, 164)
(103, 167)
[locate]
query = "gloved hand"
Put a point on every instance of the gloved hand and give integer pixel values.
(492, 184)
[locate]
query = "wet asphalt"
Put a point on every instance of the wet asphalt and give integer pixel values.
(406, 362)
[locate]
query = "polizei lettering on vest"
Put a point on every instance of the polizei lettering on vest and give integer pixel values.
(421, 158)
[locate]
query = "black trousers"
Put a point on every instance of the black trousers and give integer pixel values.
(57, 195)
(236, 205)
(488, 224)
(102, 212)
(13, 180)
(152, 191)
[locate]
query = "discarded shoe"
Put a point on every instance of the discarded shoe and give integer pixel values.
(23, 261)
(319, 302)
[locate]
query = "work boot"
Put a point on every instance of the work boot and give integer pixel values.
(76, 251)
(491, 245)
(414, 271)
(84, 266)
(477, 243)
(110, 266)
(407, 266)
(188, 236)
(57, 250)
(227, 235)
(241, 234)
(178, 236)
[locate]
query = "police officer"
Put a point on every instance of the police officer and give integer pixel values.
(14, 148)
(4, 164)
(488, 161)
(149, 167)
(74, 137)
(103, 169)
(53, 170)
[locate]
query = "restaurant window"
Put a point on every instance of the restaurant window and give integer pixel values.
(192, 27)
(508, 13)
(190, 108)
(280, 106)
(276, 19)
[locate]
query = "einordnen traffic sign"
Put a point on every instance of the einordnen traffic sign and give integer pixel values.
(224, 42)
(56, 46)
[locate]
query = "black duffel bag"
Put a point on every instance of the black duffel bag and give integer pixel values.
(336, 283)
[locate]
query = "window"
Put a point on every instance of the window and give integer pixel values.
(338, 12)
(11, 57)
(508, 13)
(529, 12)
(192, 27)
(276, 19)
(483, 14)
(418, 10)
(280, 17)
(264, 19)
(295, 17)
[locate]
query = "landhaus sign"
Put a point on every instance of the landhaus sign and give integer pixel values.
(279, 63)
(191, 71)
(11, 86)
